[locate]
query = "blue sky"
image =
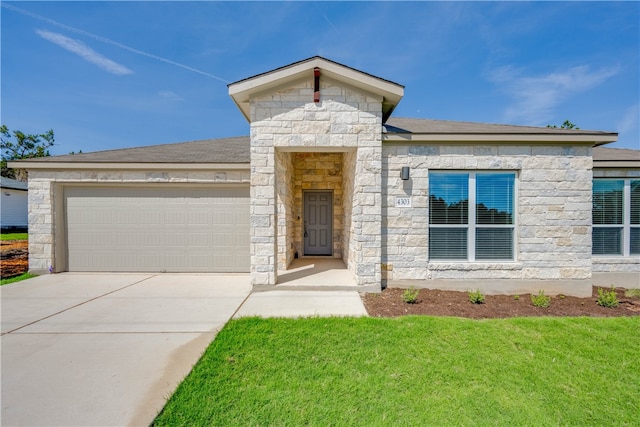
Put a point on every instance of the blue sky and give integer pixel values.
(107, 75)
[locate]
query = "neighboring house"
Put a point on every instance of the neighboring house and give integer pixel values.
(327, 172)
(13, 204)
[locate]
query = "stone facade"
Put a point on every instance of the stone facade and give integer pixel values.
(46, 203)
(286, 125)
(553, 211)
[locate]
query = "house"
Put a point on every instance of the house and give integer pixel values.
(328, 172)
(13, 204)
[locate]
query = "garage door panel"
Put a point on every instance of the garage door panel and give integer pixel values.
(157, 229)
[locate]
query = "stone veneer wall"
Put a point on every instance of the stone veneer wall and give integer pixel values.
(348, 178)
(616, 264)
(286, 193)
(318, 171)
(345, 119)
(46, 200)
(553, 205)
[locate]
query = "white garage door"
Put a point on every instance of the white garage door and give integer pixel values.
(157, 229)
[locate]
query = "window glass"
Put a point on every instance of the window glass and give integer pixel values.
(607, 201)
(494, 243)
(607, 241)
(494, 198)
(491, 235)
(448, 198)
(448, 243)
(635, 202)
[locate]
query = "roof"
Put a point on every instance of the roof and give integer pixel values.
(224, 150)
(242, 90)
(405, 129)
(13, 184)
(616, 158)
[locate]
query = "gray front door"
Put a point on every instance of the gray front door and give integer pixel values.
(318, 236)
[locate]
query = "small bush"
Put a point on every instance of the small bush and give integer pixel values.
(607, 299)
(476, 297)
(516, 297)
(541, 300)
(632, 293)
(410, 296)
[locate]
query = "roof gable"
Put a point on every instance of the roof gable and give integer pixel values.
(242, 90)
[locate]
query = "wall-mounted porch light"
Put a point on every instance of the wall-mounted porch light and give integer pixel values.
(405, 173)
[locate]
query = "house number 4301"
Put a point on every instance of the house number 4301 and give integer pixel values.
(403, 202)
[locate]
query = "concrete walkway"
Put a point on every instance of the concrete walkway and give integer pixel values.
(109, 349)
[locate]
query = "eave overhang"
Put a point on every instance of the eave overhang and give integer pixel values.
(25, 164)
(616, 164)
(593, 140)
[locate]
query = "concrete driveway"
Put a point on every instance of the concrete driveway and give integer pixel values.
(106, 349)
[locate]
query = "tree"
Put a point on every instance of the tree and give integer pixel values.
(17, 145)
(566, 125)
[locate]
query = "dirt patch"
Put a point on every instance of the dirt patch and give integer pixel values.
(389, 303)
(14, 258)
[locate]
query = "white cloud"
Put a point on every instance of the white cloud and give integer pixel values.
(535, 97)
(169, 95)
(629, 121)
(85, 52)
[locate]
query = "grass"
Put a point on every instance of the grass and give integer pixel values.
(14, 236)
(23, 276)
(414, 371)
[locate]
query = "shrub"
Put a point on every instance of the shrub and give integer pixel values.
(632, 293)
(516, 297)
(541, 300)
(476, 297)
(607, 298)
(410, 296)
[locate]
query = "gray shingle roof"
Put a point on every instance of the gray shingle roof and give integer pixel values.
(601, 154)
(13, 184)
(427, 126)
(236, 149)
(224, 150)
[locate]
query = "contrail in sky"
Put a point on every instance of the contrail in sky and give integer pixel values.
(109, 41)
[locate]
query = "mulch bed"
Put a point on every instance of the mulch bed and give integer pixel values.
(14, 258)
(389, 303)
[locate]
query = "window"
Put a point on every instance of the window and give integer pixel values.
(616, 217)
(483, 232)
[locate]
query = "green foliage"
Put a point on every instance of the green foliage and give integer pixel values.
(607, 299)
(23, 276)
(14, 236)
(566, 125)
(516, 297)
(476, 297)
(331, 371)
(410, 296)
(541, 300)
(17, 145)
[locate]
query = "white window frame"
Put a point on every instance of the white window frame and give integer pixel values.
(471, 226)
(626, 219)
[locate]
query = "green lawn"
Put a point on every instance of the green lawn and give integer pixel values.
(419, 371)
(14, 236)
(23, 276)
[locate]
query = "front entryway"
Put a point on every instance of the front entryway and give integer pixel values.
(318, 221)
